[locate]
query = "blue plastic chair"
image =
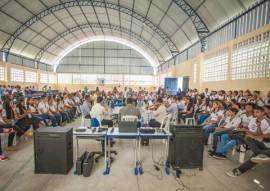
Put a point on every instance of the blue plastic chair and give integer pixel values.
(94, 122)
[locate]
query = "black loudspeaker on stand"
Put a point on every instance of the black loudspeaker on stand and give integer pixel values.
(53, 148)
(186, 147)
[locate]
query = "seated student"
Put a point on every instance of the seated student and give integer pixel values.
(267, 113)
(159, 114)
(187, 112)
(129, 109)
(4, 128)
(180, 103)
(212, 122)
(54, 110)
(45, 113)
(65, 112)
(10, 116)
(247, 115)
(32, 109)
(26, 115)
(258, 140)
(173, 106)
(86, 107)
(237, 106)
(99, 110)
(73, 104)
(231, 123)
(205, 110)
(69, 106)
(9, 128)
(227, 142)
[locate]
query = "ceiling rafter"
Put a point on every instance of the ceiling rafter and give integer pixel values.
(7, 46)
(105, 26)
(200, 26)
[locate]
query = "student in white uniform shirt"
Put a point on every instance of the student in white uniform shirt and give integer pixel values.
(44, 112)
(54, 110)
(69, 106)
(247, 115)
(232, 122)
(212, 122)
(65, 112)
(159, 114)
(31, 108)
(206, 93)
(257, 139)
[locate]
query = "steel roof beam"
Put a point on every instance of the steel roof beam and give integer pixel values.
(104, 26)
(200, 26)
(7, 46)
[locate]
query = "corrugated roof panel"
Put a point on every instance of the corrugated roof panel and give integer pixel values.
(21, 14)
(155, 14)
(141, 7)
(177, 15)
(168, 26)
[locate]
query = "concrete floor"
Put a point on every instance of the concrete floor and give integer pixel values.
(17, 174)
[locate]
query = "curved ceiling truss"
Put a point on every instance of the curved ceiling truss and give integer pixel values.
(200, 26)
(7, 46)
(97, 25)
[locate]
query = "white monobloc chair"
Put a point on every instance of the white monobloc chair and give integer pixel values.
(210, 138)
(192, 119)
(84, 119)
(174, 119)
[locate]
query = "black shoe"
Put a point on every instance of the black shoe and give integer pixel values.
(211, 153)
(219, 156)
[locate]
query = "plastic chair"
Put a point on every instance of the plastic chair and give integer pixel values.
(210, 138)
(192, 119)
(242, 153)
(174, 119)
(166, 122)
(83, 118)
(129, 118)
(4, 139)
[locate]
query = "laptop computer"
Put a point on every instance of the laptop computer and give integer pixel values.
(128, 126)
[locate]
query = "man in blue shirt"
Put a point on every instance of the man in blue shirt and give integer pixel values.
(173, 107)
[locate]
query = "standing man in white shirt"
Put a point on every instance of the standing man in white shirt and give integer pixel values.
(99, 110)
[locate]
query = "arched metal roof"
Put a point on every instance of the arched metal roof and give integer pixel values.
(163, 28)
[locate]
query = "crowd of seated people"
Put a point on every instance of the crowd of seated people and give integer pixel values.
(219, 112)
(18, 114)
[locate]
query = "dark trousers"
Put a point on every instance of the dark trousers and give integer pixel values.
(257, 148)
(107, 122)
(183, 117)
(154, 123)
(11, 136)
(65, 116)
(35, 122)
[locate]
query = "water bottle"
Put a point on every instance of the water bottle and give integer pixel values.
(142, 121)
